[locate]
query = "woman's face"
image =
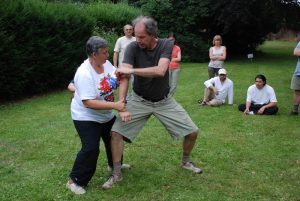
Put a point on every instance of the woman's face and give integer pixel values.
(101, 57)
(217, 41)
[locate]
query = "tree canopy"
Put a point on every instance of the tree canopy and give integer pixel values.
(242, 24)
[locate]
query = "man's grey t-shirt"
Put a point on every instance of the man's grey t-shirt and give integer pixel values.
(155, 88)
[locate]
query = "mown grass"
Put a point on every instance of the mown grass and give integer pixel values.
(244, 158)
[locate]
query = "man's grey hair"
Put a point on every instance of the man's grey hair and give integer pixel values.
(129, 25)
(149, 22)
(94, 44)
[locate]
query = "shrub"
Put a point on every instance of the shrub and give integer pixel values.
(183, 18)
(42, 44)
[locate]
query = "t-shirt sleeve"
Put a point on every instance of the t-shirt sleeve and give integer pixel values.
(272, 95)
(129, 53)
(167, 49)
(249, 98)
(209, 83)
(85, 86)
(117, 46)
(230, 93)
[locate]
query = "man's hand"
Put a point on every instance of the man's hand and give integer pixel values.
(261, 110)
(120, 76)
(123, 70)
(125, 116)
(246, 111)
(120, 105)
(216, 91)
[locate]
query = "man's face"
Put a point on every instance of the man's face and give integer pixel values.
(259, 83)
(143, 39)
(128, 30)
(222, 77)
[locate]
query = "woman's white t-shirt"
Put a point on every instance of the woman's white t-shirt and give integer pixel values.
(89, 86)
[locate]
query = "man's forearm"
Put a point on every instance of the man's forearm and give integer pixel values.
(123, 87)
(115, 59)
(248, 104)
(271, 104)
(297, 52)
(154, 71)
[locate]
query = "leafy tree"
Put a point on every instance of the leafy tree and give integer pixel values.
(242, 24)
(290, 14)
(185, 19)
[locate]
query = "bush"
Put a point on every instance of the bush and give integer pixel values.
(183, 18)
(110, 20)
(42, 44)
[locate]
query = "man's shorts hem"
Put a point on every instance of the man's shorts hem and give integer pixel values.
(295, 83)
(125, 138)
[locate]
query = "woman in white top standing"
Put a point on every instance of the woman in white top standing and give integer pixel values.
(92, 110)
(217, 55)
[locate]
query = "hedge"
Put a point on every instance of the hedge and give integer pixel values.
(43, 43)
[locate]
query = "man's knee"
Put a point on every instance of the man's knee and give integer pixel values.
(193, 135)
(271, 111)
(242, 107)
(116, 136)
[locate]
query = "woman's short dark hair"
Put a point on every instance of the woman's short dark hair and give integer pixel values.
(262, 77)
(95, 43)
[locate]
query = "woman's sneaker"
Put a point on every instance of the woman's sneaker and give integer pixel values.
(75, 188)
(192, 167)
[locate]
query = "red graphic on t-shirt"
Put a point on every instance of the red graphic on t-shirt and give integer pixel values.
(106, 90)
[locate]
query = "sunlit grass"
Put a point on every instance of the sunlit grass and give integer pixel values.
(244, 158)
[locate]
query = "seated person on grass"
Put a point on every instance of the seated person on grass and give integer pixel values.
(217, 89)
(261, 98)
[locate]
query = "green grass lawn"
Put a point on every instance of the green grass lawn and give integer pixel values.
(243, 157)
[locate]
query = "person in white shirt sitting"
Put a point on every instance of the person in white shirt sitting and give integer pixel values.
(217, 89)
(261, 98)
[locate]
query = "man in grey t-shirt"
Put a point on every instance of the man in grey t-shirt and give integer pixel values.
(148, 59)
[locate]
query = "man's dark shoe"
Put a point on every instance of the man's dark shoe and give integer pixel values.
(293, 113)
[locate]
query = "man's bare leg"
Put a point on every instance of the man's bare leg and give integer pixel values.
(188, 145)
(117, 146)
(296, 102)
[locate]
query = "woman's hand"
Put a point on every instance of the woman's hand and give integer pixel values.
(120, 105)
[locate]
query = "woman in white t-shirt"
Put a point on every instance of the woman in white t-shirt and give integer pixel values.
(92, 110)
(217, 55)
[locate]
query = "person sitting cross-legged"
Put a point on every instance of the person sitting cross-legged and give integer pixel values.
(261, 98)
(217, 89)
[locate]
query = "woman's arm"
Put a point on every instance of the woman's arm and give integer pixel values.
(103, 105)
(178, 58)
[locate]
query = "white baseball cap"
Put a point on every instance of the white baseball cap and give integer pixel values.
(222, 71)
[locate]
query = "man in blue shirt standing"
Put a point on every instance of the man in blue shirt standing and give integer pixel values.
(295, 83)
